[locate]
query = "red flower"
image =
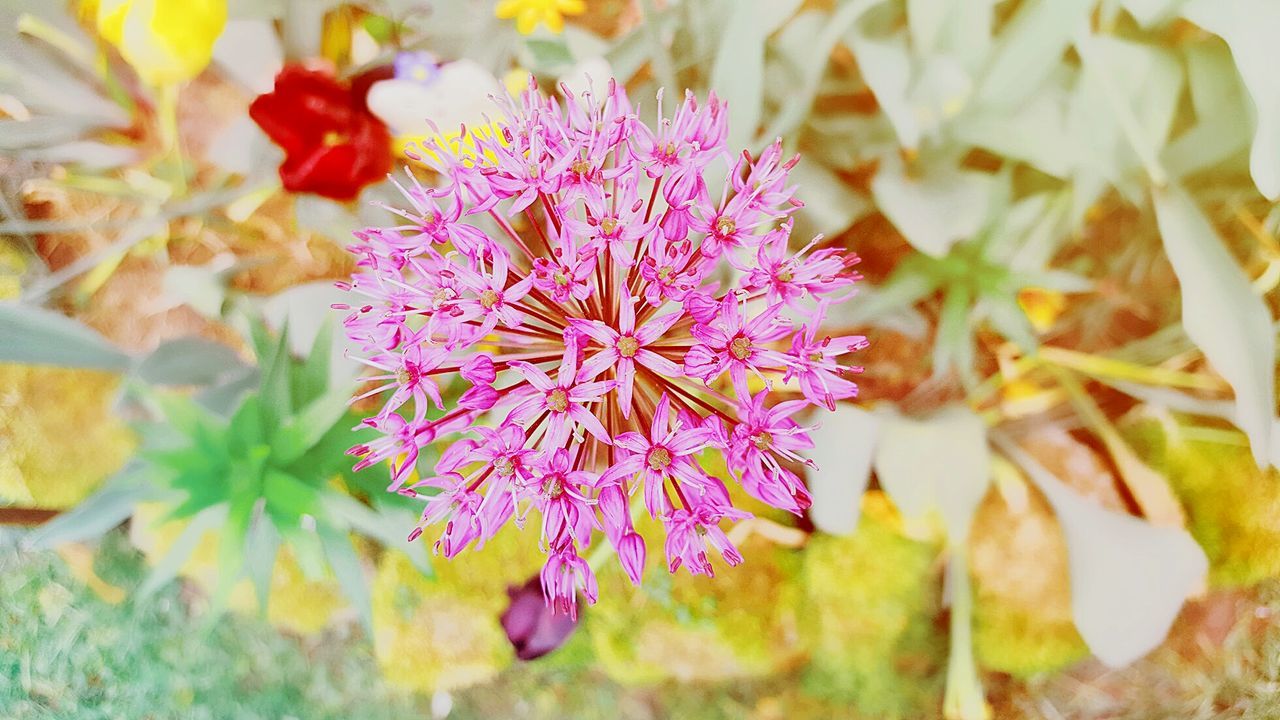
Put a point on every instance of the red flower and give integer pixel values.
(333, 145)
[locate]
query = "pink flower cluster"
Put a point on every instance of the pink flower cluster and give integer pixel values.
(600, 314)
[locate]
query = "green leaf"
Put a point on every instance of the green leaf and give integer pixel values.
(231, 545)
(388, 527)
(909, 283)
(98, 513)
(629, 54)
(224, 398)
(349, 573)
(189, 361)
(288, 498)
(953, 347)
(261, 548)
(1007, 317)
(1250, 28)
(886, 66)
(551, 57)
(312, 378)
(1125, 104)
(181, 413)
(1221, 314)
(1035, 132)
(305, 429)
(276, 404)
(306, 549)
(246, 430)
(830, 206)
(36, 336)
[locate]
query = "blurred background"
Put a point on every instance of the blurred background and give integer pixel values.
(1054, 498)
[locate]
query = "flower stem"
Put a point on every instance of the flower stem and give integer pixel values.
(964, 698)
(171, 157)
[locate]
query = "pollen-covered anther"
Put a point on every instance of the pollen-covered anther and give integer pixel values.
(725, 226)
(627, 346)
(659, 458)
(558, 400)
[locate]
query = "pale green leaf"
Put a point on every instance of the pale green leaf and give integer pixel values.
(1029, 48)
(886, 66)
(1129, 578)
(96, 514)
(738, 73)
(350, 574)
(176, 555)
(305, 428)
(844, 442)
(798, 104)
(1035, 132)
(1125, 103)
(1223, 113)
(935, 208)
(1250, 28)
(940, 463)
(1221, 314)
(388, 526)
(33, 335)
(190, 361)
(830, 205)
(1149, 13)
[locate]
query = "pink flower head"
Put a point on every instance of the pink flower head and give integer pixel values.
(565, 282)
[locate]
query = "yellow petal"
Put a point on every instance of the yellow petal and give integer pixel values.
(554, 21)
(527, 20)
(166, 41)
(110, 19)
(507, 9)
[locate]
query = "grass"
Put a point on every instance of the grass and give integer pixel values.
(66, 653)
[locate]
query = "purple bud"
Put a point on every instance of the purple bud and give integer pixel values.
(479, 370)
(613, 509)
(533, 626)
(631, 553)
(701, 306)
(479, 397)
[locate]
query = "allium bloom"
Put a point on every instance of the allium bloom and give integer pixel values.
(572, 282)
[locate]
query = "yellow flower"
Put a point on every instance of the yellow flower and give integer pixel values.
(1042, 306)
(166, 41)
(530, 13)
(516, 81)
